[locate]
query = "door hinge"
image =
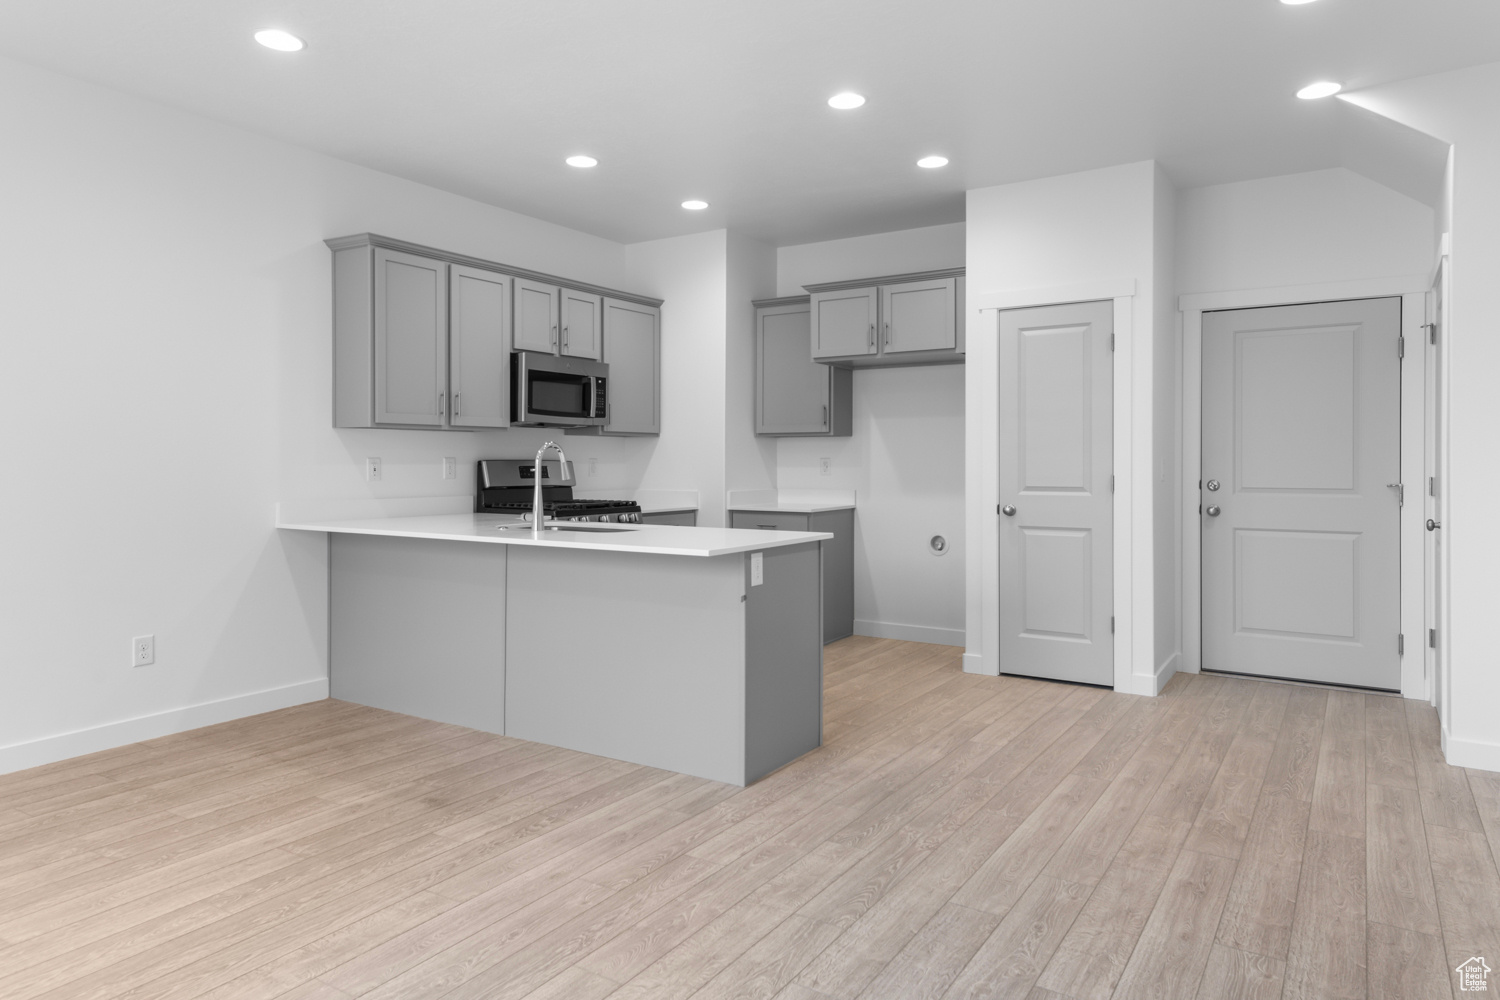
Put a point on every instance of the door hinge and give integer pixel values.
(1400, 347)
(1432, 486)
(1111, 624)
(1111, 484)
(1400, 645)
(1111, 342)
(1431, 329)
(997, 508)
(1432, 638)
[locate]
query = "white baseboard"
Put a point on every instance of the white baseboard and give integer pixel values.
(48, 749)
(975, 663)
(911, 633)
(1164, 672)
(1471, 753)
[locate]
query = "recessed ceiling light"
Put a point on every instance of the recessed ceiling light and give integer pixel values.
(581, 161)
(933, 162)
(846, 101)
(1323, 88)
(281, 41)
(695, 205)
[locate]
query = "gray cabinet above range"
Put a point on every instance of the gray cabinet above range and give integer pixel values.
(906, 319)
(422, 337)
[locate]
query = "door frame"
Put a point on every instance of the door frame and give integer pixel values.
(1413, 292)
(1134, 672)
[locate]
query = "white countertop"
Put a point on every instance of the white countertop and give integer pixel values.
(791, 501)
(654, 539)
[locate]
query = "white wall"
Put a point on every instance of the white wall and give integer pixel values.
(1166, 387)
(690, 274)
(905, 459)
(1461, 108)
(166, 379)
(749, 461)
(1053, 240)
(1319, 227)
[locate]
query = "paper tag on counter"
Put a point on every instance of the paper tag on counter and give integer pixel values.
(757, 568)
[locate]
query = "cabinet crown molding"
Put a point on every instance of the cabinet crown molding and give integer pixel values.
(405, 246)
(889, 279)
(782, 300)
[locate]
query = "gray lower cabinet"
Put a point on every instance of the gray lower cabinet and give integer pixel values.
(910, 319)
(418, 342)
(795, 395)
(686, 518)
(838, 558)
(632, 348)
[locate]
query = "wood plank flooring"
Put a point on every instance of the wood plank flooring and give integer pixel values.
(956, 837)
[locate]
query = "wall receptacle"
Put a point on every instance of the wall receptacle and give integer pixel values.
(450, 468)
(372, 470)
(757, 568)
(143, 650)
(825, 466)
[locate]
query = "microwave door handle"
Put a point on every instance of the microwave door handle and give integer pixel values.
(593, 396)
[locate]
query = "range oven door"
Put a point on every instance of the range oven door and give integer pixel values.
(550, 391)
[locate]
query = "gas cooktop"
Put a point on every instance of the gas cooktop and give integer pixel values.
(506, 487)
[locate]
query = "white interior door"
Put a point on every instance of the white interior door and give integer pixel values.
(1436, 485)
(1056, 463)
(1301, 496)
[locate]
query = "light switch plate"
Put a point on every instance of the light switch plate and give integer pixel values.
(757, 568)
(372, 469)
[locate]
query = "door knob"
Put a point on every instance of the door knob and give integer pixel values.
(1433, 525)
(1008, 510)
(1213, 510)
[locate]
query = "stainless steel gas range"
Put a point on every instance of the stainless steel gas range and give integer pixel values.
(506, 486)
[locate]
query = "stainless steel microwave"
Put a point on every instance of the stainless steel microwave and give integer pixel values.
(552, 391)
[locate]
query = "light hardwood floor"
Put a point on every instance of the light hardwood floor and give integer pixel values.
(957, 836)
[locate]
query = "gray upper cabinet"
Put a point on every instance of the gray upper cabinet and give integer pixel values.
(632, 349)
(422, 338)
(909, 319)
(843, 322)
(478, 347)
(919, 316)
(582, 320)
(411, 305)
(795, 395)
(536, 318)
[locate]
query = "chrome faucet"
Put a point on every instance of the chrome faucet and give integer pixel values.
(538, 515)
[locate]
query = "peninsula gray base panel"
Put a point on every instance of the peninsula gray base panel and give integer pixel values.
(783, 660)
(665, 661)
(418, 627)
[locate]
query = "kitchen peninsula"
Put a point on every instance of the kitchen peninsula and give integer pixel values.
(697, 650)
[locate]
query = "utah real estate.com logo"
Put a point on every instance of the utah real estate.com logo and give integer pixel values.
(1473, 975)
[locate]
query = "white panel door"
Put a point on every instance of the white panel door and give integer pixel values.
(1300, 507)
(1056, 461)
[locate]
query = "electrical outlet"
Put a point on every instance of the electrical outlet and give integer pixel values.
(143, 650)
(757, 568)
(825, 466)
(450, 468)
(372, 470)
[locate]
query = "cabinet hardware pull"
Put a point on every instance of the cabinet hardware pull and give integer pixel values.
(887, 333)
(872, 334)
(825, 416)
(565, 338)
(768, 527)
(440, 404)
(554, 333)
(457, 402)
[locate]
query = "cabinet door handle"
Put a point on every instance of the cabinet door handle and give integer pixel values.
(887, 333)
(554, 334)
(872, 335)
(565, 338)
(825, 416)
(440, 404)
(768, 527)
(457, 402)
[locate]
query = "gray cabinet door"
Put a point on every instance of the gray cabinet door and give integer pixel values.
(478, 347)
(411, 334)
(632, 349)
(918, 316)
(582, 316)
(838, 558)
(792, 391)
(535, 327)
(843, 322)
(686, 518)
(769, 520)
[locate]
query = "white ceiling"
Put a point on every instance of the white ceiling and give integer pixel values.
(724, 99)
